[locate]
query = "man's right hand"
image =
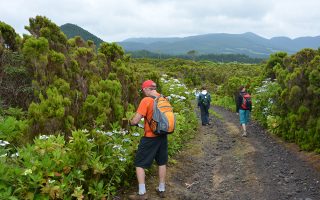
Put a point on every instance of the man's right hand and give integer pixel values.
(138, 125)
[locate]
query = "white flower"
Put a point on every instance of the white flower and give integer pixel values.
(85, 130)
(117, 147)
(123, 132)
(182, 97)
(15, 155)
(99, 131)
(173, 95)
(126, 140)
(91, 140)
(122, 159)
(43, 137)
(4, 155)
(176, 80)
(52, 181)
(3, 143)
(136, 134)
(108, 133)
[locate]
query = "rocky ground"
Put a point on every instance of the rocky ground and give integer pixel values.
(220, 164)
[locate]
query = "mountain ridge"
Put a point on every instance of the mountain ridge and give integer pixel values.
(247, 43)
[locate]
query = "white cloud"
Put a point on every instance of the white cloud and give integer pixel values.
(118, 20)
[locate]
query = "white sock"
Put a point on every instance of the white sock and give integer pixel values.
(162, 187)
(142, 189)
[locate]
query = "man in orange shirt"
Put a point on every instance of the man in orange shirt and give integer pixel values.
(151, 146)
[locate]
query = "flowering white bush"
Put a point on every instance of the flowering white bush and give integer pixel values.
(178, 92)
(265, 100)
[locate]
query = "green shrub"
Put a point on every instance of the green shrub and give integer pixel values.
(13, 130)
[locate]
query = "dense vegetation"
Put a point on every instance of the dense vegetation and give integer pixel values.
(192, 55)
(290, 97)
(61, 114)
(63, 101)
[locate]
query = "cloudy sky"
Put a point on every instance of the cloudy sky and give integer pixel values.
(116, 20)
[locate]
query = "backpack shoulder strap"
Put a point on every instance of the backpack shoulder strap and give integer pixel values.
(156, 97)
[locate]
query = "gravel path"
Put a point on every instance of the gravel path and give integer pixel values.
(220, 164)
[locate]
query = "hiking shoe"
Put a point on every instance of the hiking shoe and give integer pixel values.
(244, 134)
(138, 196)
(161, 194)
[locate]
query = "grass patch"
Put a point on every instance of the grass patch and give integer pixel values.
(214, 113)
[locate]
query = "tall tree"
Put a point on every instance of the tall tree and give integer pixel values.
(42, 27)
(9, 39)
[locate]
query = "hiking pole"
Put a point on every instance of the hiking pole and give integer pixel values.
(125, 123)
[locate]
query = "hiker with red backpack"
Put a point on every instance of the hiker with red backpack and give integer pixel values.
(243, 106)
(158, 122)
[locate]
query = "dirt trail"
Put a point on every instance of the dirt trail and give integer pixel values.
(220, 164)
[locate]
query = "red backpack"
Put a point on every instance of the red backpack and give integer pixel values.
(246, 102)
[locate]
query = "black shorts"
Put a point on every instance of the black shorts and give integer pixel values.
(150, 149)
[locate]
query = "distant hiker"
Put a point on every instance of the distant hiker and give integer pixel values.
(204, 101)
(244, 106)
(151, 146)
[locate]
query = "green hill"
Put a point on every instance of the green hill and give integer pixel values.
(248, 44)
(72, 30)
